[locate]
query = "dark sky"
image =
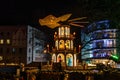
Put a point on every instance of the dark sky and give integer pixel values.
(30, 11)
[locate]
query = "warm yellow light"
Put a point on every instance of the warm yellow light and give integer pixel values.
(52, 21)
(61, 44)
(45, 51)
(1, 41)
(8, 41)
(74, 33)
(79, 46)
(47, 45)
(55, 33)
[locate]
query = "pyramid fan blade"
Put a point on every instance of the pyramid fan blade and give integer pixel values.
(64, 17)
(76, 25)
(76, 19)
(80, 22)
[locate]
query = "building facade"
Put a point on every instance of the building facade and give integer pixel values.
(99, 42)
(35, 45)
(14, 45)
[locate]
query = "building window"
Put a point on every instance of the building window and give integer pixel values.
(61, 31)
(8, 41)
(30, 40)
(28, 58)
(61, 44)
(8, 50)
(56, 44)
(29, 50)
(71, 44)
(67, 31)
(8, 33)
(67, 44)
(2, 33)
(1, 41)
(30, 30)
(13, 50)
(1, 58)
(20, 50)
(1, 50)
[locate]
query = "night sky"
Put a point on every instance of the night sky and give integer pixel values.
(28, 12)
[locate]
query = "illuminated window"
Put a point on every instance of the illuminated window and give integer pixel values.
(61, 44)
(67, 31)
(59, 31)
(67, 44)
(8, 41)
(56, 44)
(71, 44)
(1, 58)
(62, 32)
(110, 43)
(1, 41)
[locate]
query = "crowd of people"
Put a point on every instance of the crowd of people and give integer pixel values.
(60, 74)
(52, 75)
